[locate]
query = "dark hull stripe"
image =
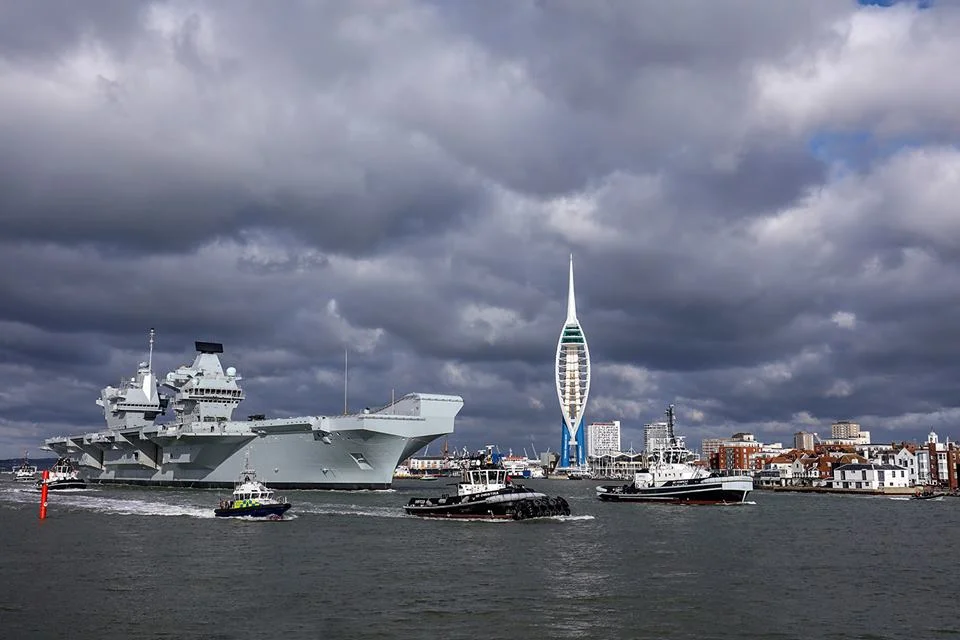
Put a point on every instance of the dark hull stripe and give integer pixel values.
(200, 484)
(64, 485)
(260, 511)
(522, 504)
(691, 497)
(463, 516)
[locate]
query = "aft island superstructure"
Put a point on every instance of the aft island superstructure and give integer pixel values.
(204, 447)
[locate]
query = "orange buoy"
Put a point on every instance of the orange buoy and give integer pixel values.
(43, 494)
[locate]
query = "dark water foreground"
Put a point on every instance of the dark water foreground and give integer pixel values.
(134, 563)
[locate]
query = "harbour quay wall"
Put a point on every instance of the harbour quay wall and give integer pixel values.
(886, 491)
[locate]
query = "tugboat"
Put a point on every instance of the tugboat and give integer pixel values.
(252, 498)
(63, 475)
(673, 478)
(486, 492)
(26, 472)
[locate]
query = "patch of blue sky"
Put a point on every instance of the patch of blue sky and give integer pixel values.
(856, 151)
(921, 4)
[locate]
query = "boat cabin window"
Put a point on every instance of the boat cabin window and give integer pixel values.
(488, 476)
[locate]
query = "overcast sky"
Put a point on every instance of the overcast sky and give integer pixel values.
(761, 199)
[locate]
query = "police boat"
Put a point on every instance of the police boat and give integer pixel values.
(253, 499)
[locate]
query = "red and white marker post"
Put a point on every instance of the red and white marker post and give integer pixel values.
(43, 494)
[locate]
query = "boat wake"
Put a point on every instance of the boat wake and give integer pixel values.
(351, 510)
(126, 507)
(287, 517)
(347, 491)
(86, 500)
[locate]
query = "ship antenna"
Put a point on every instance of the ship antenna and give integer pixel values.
(150, 357)
(345, 381)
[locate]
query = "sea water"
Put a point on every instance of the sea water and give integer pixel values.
(114, 562)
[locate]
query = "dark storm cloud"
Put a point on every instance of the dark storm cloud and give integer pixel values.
(406, 180)
(35, 30)
(125, 145)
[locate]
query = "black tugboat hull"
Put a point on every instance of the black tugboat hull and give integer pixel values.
(506, 504)
(256, 511)
(58, 485)
(728, 492)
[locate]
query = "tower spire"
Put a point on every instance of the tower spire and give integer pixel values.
(571, 299)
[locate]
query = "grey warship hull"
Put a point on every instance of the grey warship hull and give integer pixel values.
(343, 452)
(204, 447)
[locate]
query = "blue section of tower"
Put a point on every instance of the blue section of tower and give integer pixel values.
(564, 461)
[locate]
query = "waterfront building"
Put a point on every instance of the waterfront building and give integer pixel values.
(803, 440)
(844, 429)
(617, 466)
(943, 461)
(869, 476)
(432, 464)
(656, 436)
(603, 438)
(902, 455)
(573, 384)
(710, 446)
(844, 432)
(906, 457)
(738, 452)
(791, 468)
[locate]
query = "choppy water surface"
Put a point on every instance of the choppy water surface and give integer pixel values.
(136, 563)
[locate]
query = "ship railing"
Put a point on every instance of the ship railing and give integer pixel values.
(734, 472)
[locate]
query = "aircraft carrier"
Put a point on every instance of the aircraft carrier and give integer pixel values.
(204, 447)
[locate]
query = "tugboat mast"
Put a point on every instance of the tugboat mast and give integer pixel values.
(670, 422)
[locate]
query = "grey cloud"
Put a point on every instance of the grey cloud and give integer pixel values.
(407, 181)
(32, 30)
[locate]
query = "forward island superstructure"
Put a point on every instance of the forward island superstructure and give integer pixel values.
(203, 446)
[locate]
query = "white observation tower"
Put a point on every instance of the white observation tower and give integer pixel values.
(573, 384)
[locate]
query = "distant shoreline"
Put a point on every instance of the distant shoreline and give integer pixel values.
(39, 463)
(890, 491)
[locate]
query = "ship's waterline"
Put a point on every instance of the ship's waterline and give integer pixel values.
(204, 447)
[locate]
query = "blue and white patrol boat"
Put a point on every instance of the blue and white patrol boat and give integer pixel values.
(253, 499)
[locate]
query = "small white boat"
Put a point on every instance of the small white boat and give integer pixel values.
(673, 478)
(26, 472)
(932, 497)
(402, 472)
